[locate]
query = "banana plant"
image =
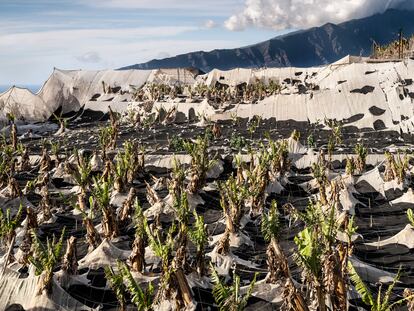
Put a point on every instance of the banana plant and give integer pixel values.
(163, 250)
(123, 283)
(270, 227)
(279, 154)
(9, 224)
(55, 149)
(200, 163)
(127, 206)
(133, 118)
(116, 283)
(350, 166)
(70, 261)
(25, 159)
(45, 259)
(104, 139)
(382, 301)
(235, 119)
(137, 257)
(13, 187)
(258, 179)
(253, 125)
(310, 140)
(229, 297)
(179, 263)
(45, 203)
(133, 158)
(102, 196)
(63, 122)
(362, 153)
(396, 167)
(176, 182)
(335, 137)
(120, 171)
(295, 135)
(45, 161)
(322, 259)
(199, 236)
(273, 87)
(114, 127)
(4, 170)
(319, 173)
(128, 163)
(233, 194)
(277, 262)
(173, 285)
(31, 225)
(142, 299)
(92, 236)
(82, 172)
(182, 212)
(13, 131)
(176, 143)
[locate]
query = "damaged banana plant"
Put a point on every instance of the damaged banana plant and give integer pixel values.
(45, 259)
(137, 257)
(277, 262)
(322, 257)
(200, 163)
(102, 196)
(233, 195)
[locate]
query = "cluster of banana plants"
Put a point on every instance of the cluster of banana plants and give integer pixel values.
(128, 164)
(396, 167)
(357, 165)
(157, 92)
(219, 93)
(14, 158)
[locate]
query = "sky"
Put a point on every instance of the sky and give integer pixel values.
(38, 35)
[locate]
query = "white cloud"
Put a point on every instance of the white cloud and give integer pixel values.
(209, 24)
(89, 57)
(288, 14)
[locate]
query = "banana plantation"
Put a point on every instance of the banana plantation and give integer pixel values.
(140, 212)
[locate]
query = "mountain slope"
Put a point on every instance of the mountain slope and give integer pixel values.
(312, 47)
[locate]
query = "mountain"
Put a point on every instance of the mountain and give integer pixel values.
(312, 47)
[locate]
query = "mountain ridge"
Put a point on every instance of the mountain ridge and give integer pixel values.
(315, 46)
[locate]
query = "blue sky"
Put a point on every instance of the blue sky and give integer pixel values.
(37, 35)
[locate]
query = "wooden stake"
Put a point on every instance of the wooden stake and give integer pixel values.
(8, 256)
(184, 287)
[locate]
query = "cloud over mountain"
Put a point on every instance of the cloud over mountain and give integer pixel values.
(287, 14)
